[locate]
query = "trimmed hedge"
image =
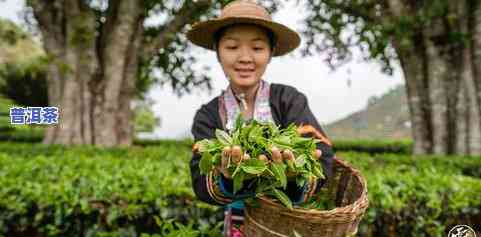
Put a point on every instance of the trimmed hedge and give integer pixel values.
(374, 146)
(367, 146)
(20, 133)
(364, 146)
(419, 195)
(146, 191)
(58, 191)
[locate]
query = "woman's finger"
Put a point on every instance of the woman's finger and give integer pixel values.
(246, 157)
(226, 154)
(287, 155)
(263, 158)
(317, 154)
(290, 174)
(224, 162)
(226, 151)
(276, 155)
(236, 154)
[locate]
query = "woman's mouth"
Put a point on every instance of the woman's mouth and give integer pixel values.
(244, 72)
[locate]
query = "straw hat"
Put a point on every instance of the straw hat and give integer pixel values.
(247, 12)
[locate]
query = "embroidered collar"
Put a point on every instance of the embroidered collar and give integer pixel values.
(230, 108)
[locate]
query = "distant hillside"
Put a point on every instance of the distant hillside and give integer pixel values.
(386, 117)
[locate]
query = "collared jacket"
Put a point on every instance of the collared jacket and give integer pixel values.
(288, 105)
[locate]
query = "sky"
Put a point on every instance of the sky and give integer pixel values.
(329, 96)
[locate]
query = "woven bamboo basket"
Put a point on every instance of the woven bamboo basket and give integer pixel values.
(347, 188)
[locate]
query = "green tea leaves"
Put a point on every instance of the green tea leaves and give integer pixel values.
(279, 172)
(255, 134)
(206, 163)
(238, 123)
(281, 196)
(206, 145)
(253, 166)
(263, 153)
(300, 181)
(238, 181)
(317, 172)
(301, 161)
(223, 137)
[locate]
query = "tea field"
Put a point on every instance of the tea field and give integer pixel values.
(145, 190)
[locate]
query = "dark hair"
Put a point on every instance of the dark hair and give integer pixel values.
(218, 35)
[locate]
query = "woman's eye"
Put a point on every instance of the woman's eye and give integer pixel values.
(258, 48)
(231, 47)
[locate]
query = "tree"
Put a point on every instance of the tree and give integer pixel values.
(99, 53)
(438, 45)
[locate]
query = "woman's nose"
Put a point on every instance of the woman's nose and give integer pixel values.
(245, 55)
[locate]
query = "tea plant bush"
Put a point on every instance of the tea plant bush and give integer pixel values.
(419, 195)
(374, 146)
(58, 191)
(146, 191)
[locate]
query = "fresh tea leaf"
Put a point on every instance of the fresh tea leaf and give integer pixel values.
(283, 140)
(279, 171)
(205, 145)
(317, 172)
(238, 122)
(255, 134)
(283, 198)
(253, 166)
(237, 169)
(238, 181)
(205, 163)
(300, 181)
(301, 161)
(223, 137)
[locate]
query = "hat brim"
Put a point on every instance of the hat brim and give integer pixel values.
(202, 33)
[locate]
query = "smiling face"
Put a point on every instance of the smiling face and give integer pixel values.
(244, 52)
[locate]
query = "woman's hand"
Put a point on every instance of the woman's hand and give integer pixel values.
(286, 156)
(234, 155)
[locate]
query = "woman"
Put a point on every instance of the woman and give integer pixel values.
(245, 39)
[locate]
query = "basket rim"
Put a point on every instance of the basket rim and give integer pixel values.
(357, 206)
